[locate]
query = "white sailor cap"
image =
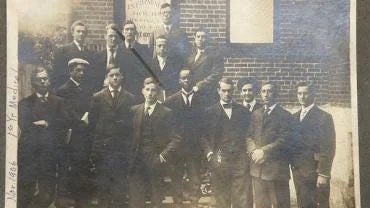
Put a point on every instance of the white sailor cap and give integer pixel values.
(75, 61)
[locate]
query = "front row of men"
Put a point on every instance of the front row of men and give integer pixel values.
(129, 148)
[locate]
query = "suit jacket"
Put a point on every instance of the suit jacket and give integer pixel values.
(207, 71)
(177, 41)
(53, 112)
(134, 70)
(221, 140)
(60, 64)
(316, 143)
(110, 120)
(77, 101)
(188, 121)
(272, 135)
(169, 76)
(164, 139)
(100, 66)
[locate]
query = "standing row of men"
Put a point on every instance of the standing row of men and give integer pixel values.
(105, 146)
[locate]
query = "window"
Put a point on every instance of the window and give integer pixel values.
(251, 21)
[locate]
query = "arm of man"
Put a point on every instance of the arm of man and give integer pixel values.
(215, 74)
(174, 138)
(327, 146)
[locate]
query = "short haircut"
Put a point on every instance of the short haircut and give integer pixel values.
(201, 29)
(275, 87)
(226, 80)
(150, 80)
(165, 5)
(185, 68)
(111, 67)
(39, 68)
(247, 80)
(129, 22)
(311, 87)
(112, 26)
(78, 23)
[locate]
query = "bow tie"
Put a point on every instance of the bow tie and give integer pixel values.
(227, 105)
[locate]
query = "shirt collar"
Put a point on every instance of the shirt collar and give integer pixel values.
(74, 81)
(162, 58)
(187, 93)
(308, 108)
(79, 46)
(114, 49)
(111, 88)
(271, 108)
(223, 102)
(201, 50)
(132, 44)
(152, 106)
(252, 103)
(40, 96)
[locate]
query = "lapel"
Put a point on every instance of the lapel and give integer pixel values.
(156, 67)
(220, 112)
(272, 115)
(138, 118)
(108, 97)
(156, 113)
(309, 115)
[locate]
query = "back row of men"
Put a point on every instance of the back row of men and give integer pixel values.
(106, 147)
(124, 149)
(167, 52)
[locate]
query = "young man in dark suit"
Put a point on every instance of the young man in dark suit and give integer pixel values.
(112, 55)
(224, 146)
(188, 108)
(134, 69)
(76, 49)
(248, 89)
(314, 156)
(178, 41)
(42, 122)
(166, 68)
(207, 66)
(110, 121)
(73, 168)
(267, 145)
(153, 144)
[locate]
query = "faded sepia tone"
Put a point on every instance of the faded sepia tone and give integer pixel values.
(300, 41)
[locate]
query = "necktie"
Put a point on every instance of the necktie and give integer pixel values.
(111, 60)
(199, 54)
(266, 111)
(248, 106)
(303, 114)
(146, 112)
(114, 93)
(187, 95)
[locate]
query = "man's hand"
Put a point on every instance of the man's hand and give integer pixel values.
(322, 181)
(195, 88)
(258, 156)
(42, 123)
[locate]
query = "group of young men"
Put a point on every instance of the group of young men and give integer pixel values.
(103, 130)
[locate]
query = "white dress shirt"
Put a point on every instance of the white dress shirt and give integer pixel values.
(199, 53)
(111, 90)
(74, 81)
(271, 108)
(251, 104)
(304, 111)
(228, 111)
(167, 28)
(190, 96)
(109, 53)
(78, 45)
(151, 109)
(162, 62)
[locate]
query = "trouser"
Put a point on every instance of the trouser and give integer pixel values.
(268, 194)
(109, 179)
(73, 185)
(143, 178)
(308, 195)
(37, 168)
(230, 180)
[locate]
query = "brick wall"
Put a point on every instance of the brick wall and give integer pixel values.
(309, 34)
(96, 14)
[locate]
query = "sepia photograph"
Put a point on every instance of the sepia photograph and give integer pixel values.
(181, 104)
